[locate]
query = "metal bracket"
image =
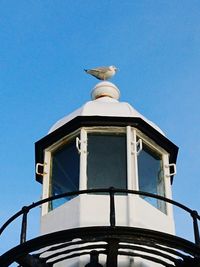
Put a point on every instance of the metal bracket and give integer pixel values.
(137, 147)
(173, 165)
(78, 144)
(37, 169)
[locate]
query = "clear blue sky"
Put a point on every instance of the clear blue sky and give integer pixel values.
(44, 47)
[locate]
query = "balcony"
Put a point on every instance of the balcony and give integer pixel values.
(110, 242)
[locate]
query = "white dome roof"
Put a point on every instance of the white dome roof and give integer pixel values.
(105, 103)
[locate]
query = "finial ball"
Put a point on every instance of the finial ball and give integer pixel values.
(104, 89)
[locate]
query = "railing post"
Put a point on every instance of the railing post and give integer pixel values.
(24, 225)
(194, 215)
(112, 253)
(94, 259)
(112, 206)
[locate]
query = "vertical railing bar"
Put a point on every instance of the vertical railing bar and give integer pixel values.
(24, 225)
(94, 259)
(112, 253)
(194, 215)
(112, 206)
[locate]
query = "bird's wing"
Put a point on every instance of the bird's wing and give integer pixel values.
(95, 73)
(100, 69)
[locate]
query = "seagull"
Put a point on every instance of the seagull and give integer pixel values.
(102, 73)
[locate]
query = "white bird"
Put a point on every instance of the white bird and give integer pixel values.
(102, 73)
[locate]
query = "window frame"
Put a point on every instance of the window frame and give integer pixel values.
(132, 163)
(110, 131)
(152, 145)
(46, 192)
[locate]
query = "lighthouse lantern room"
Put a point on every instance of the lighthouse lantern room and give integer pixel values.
(106, 144)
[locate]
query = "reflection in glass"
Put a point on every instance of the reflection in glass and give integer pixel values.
(65, 172)
(150, 172)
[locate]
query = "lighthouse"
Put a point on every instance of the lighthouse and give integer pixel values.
(106, 144)
(106, 174)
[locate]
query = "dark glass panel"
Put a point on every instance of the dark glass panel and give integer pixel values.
(106, 162)
(150, 172)
(65, 172)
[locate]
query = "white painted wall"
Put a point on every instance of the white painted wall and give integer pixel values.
(94, 210)
(63, 217)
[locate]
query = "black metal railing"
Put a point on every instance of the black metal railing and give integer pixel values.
(112, 192)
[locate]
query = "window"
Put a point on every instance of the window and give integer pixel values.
(104, 158)
(64, 172)
(150, 175)
(106, 161)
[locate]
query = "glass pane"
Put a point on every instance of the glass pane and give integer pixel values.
(65, 172)
(150, 172)
(106, 163)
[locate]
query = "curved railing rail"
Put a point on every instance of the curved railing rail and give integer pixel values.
(111, 191)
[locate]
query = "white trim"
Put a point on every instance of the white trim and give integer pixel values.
(63, 141)
(167, 184)
(135, 158)
(149, 142)
(46, 181)
(105, 129)
(131, 174)
(83, 160)
(129, 158)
